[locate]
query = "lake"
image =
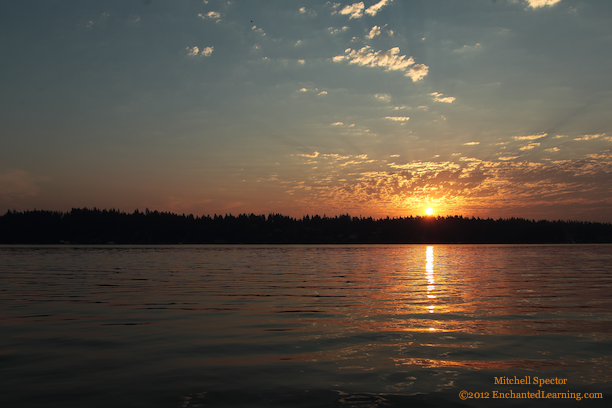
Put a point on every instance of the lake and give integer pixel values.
(306, 326)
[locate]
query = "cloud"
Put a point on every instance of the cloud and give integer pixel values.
(530, 137)
(301, 62)
(468, 48)
(207, 51)
(418, 72)
(398, 118)
(303, 90)
(383, 97)
(355, 10)
(195, 51)
(212, 15)
(590, 137)
(258, 30)
(541, 3)
(304, 10)
(333, 30)
(471, 143)
(529, 146)
(372, 10)
(438, 97)
(470, 186)
(322, 93)
(373, 32)
(552, 149)
(337, 124)
(312, 155)
(389, 60)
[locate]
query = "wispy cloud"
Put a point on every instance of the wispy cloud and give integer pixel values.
(468, 48)
(529, 146)
(390, 60)
(311, 155)
(590, 137)
(471, 143)
(530, 137)
(333, 30)
(258, 30)
(438, 97)
(398, 118)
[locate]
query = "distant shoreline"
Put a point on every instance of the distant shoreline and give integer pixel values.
(111, 227)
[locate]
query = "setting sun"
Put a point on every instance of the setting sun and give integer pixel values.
(429, 211)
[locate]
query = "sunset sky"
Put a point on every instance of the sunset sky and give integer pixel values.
(489, 108)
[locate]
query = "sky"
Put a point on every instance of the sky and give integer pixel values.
(485, 108)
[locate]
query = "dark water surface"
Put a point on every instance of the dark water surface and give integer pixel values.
(304, 326)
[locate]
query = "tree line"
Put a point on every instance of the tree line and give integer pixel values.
(95, 226)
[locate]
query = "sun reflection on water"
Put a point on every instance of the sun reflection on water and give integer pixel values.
(429, 274)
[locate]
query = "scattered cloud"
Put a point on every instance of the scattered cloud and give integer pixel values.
(529, 146)
(552, 149)
(383, 97)
(438, 97)
(298, 42)
(258, 30)
(301, 62)
(212, 15)
(530, 137)
(373, 10)
(398, 118)
(333, 30)
(590, 137)
(195, 51)
(389, 60)
(355, 10)
(471, 143)
(312, 155)
(469, 48)
(207, 51)
(541, 3)
(418, 72)
(322, 93)
(337, 124)
(304, 10)
(303, 90)
(373, 32)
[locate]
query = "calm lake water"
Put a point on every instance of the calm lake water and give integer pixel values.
(304, 326)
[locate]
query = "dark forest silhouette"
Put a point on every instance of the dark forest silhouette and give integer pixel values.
(94, 226)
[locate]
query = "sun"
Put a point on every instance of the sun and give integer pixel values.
(429, 211)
